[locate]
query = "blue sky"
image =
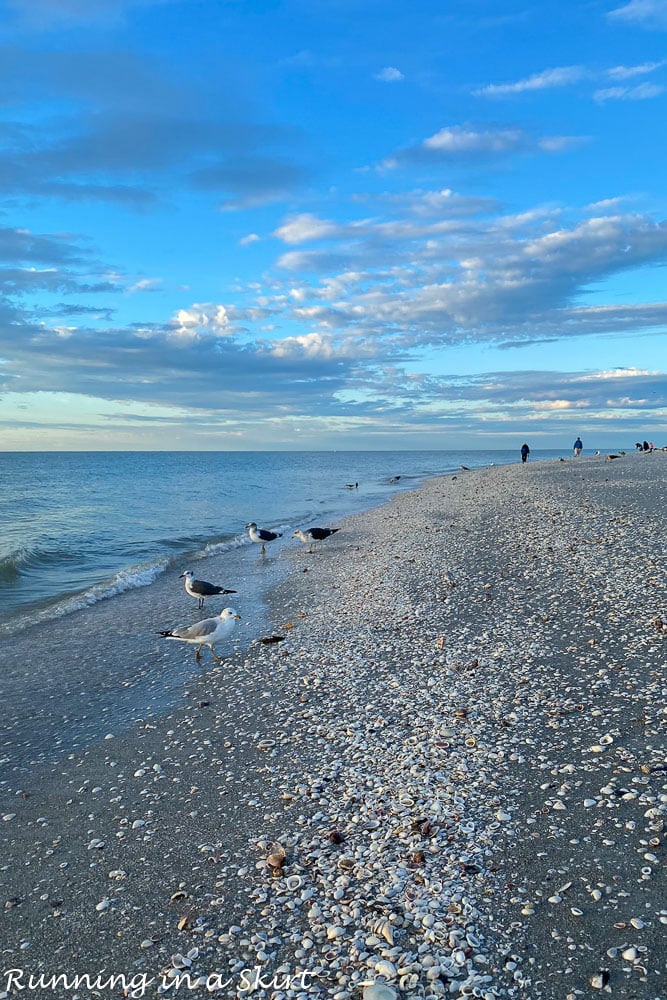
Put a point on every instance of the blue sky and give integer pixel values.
(332, 224)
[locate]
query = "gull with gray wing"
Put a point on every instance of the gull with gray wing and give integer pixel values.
(200, 589)
(207, 632)
(261, 536)
(312, 535)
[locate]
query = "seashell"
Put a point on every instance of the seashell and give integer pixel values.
(266, 744)
(346, 864)
(379, 991)
(606, 740)
(293, 882)
(599, 980)
(179, 961)
(276, 859)
(385, 969)
(630, 954)
(637, 923)
(384, 929)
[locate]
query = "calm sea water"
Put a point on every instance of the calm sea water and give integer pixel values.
(91, 549)
(81, 528)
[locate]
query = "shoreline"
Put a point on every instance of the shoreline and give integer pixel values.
(415, 744)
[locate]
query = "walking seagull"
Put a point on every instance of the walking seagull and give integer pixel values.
(312, 535)
(207, 632)
(200, 589)
(261, 535)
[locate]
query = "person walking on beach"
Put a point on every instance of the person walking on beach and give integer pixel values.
(525, 452)
(577, 447)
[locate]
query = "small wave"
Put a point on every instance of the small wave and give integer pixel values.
(27, 558)
(127, 579)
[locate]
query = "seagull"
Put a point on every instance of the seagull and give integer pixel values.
(261, 535)
(311, 535)
(207, 632)
(200, 589)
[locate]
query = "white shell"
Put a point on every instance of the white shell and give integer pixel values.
(379, 991)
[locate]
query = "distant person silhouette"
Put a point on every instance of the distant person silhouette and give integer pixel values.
(525, 452)
(577, 447)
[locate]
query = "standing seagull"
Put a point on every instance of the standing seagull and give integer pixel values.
(311, 535)
(207, 632)
(261, 535)
(200, 589)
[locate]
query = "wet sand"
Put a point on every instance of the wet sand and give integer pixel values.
(458, 744)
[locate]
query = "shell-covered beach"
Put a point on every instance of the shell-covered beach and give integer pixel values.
(447, 779)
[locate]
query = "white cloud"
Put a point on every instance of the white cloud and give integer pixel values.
(246, 241)
(389, 75)
(561, 76)
(617, 373)
(645, 13)
(462, 142)
(642, 92)
(207, 318)
(145, 285)
(303, 228)
(561, 143)
(626, 72)
(457, 140)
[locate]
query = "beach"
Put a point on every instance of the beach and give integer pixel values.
(446, 779)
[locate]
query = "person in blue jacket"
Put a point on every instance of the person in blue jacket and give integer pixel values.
(525, 452)
(577, 447)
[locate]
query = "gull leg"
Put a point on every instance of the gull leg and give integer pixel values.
(263, 550)
(201, 603)
(198, 653)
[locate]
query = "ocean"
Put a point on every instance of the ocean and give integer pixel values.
(91, 550)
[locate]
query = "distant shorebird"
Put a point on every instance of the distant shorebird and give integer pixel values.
(312, 535)
(207, 632)
(200, 589)
(261, 535)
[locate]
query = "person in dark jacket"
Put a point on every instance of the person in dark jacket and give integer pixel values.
(525, 452)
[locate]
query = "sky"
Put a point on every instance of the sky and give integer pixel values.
(332, 224)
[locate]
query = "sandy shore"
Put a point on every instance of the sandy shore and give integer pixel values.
(459, 745)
